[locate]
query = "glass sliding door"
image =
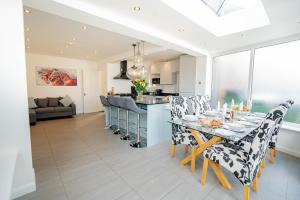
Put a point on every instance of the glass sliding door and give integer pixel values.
(276, 78)
(230, 78)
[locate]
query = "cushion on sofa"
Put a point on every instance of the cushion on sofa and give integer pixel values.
(53, 101)
(31, 103)
(66, 101)
(42, 103)
(62, 109)
(44, 110)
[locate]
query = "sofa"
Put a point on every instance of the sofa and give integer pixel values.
(50, 107)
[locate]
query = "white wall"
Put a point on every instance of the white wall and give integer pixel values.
(121, 86)
(14, 121)
(87, 76)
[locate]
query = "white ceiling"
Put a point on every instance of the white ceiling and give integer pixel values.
(159, 24)
(51, 35)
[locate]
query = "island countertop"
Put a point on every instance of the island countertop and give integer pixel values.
(152, 100)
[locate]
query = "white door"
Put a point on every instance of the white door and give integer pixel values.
(91, 99)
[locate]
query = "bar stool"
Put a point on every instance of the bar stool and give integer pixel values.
(114, 102)
(131, 105)
(107, 106)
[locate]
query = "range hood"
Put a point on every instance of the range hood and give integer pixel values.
(123, 71)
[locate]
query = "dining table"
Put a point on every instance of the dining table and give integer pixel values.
(246, 122)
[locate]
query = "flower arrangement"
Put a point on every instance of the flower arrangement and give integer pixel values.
(140, 85)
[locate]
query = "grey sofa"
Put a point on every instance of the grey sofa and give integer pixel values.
(50, 107)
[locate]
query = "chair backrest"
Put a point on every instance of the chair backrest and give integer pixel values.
(112, 100)
(261, 140)
(286, 106)
(202, 104)
(182, 105)
(104, 101)
(130, 104)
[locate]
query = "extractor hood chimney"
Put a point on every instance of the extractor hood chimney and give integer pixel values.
(123, 71)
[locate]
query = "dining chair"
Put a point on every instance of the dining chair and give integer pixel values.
(243, 164)
(181, 106)
(272, 145)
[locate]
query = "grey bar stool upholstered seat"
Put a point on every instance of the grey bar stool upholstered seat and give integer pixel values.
(106, 105)
(131, 105)
(114, 101)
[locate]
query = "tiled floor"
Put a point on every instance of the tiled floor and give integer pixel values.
(75, 158)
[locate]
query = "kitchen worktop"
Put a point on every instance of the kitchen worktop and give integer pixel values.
(152, 100)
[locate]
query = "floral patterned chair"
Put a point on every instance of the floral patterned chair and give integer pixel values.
(272, 145)
(186, 105)
(244, 164)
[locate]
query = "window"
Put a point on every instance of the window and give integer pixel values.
(230, 78)
(276, 78)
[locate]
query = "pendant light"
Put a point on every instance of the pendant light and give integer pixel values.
(132, 72)
(142, 71)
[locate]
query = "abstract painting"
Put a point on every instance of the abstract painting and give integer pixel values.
(46, 76)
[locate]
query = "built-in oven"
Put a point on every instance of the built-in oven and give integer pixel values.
(155, 80)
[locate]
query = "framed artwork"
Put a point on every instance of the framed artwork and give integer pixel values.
(47, 76)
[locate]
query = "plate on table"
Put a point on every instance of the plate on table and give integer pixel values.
(191, 118)
(254, 119)
(260, 114)
(246, 123)
(234, 127)
(211, 113)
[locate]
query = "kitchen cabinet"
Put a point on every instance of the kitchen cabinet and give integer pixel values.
(167, 71)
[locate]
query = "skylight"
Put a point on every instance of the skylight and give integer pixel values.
(222, 17)
(223, 7)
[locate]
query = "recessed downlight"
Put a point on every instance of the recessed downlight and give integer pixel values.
(70, 43)
(73, 38)
(180, 30)
(28, 47)
(27, 11)
(27, 29)
(84, 27)
(27, 39)
(136, 8)
(67, 46)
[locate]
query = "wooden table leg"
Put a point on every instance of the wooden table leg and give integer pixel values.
(222, 178)
(202, 146)
(193, 159)
(204, 171)
(246, 192)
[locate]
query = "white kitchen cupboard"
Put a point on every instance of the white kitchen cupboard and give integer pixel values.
(167, 71)
(192, 75)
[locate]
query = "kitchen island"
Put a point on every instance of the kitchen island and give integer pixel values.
(154, 126)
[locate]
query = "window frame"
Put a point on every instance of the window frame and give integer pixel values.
(288, 125)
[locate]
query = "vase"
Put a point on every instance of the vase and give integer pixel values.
(139, 95)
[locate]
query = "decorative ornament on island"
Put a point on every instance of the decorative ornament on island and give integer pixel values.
(140, 86)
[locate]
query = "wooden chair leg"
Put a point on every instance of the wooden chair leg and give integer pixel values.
(263, 162)
(275, 153)
(172, 150)
(259, 173)
(255, 184)
(193, 161)
(272, 154)
(186, 148)
(246, 192)
(204, 171)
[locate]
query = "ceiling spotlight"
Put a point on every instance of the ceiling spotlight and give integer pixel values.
(27, 39)
(27, 11)
(74, 39)
(27, 29)
(84, 27)
(27, 47)
(180, 30)
(136, 8)
(70, 43)
(67, 46)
